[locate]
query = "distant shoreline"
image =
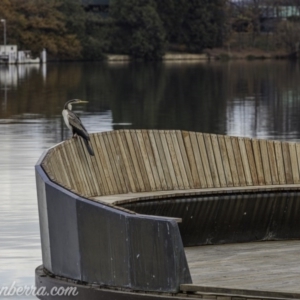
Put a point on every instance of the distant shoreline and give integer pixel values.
(211, 54)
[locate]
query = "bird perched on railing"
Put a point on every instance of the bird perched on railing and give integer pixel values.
(73, 122)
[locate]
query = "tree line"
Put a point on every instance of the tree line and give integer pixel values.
(143, 29)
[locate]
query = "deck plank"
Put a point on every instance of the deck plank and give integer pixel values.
(266, 266)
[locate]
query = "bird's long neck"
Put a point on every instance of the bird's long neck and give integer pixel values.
(68, 106)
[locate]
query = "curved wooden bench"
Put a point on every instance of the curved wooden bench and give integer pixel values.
(150, 160)
(87, 236)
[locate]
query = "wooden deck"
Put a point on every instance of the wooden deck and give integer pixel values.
(120, 199)
(248, 268)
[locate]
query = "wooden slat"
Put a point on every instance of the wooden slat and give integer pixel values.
(201, 160)
(128, 171)
(297, 146)
(251, 162)
(53, 166)
(158, 162)
(265, 162)
(294, 163)
(232, 161)
(258, 162)
(140, 160)
(104, 167)
(279, 161)
(78, 174)
(79, 158)
(82, 155)
(133, 155)
(99, 171)
(146, 160)
(225, 160)
(68, 166)
(181, 164)
(211, 159)
(77, 185)
(191, 159)
(168, 159)
(163, 159)
(236, 144)
(218, 159)
(116, 147)
(201, 164)
(174, 158)
(273, 163)
(185, 160)
(116, 163)
(91, 168)
(287, 163)
(152, 160)
(46, 164)
(108, 163)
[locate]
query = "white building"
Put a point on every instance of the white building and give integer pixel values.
(9, 54)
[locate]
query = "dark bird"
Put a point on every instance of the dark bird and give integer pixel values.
(73, 122)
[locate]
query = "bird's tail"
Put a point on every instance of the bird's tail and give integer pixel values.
(89, 148)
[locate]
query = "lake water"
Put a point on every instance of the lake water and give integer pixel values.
(245, 98)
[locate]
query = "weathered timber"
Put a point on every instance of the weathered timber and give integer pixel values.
(146, 161)
(264, 269)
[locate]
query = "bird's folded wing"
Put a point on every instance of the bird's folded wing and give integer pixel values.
(77, 125)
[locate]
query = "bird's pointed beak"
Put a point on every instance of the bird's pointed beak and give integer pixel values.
(82, 101)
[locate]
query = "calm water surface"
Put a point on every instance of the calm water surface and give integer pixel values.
(255, 99)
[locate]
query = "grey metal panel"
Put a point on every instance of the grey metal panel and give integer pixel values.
(95, 243)
(230, 219)
(41, 180)
(47, 283)
(103, 244)
(156, 254)
(122, 249)
(63, 233)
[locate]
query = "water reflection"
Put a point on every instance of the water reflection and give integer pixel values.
(241, 98)
(258, 99)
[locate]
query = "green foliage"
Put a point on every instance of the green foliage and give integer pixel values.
(172, 13)
(288, 34)
(74, 16)
(203, 24)
(38, 24)
(198, 24)
(138, 29)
